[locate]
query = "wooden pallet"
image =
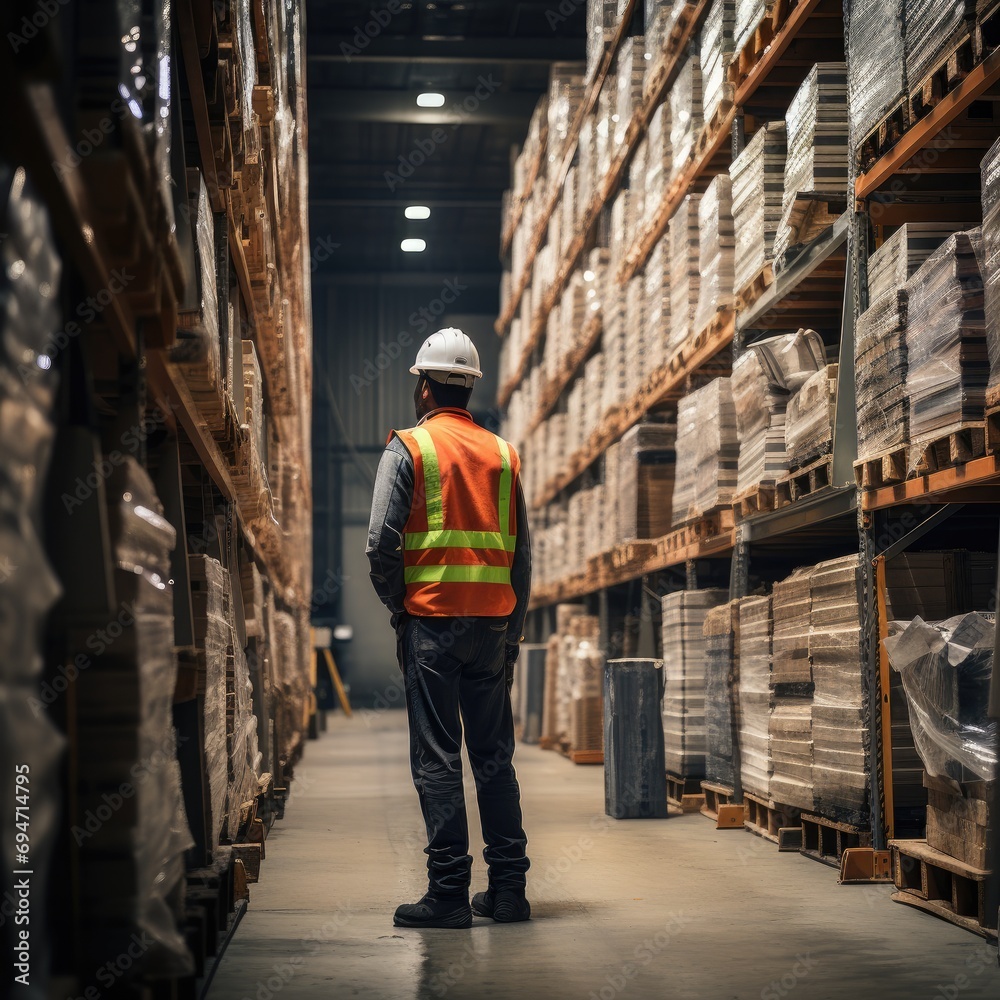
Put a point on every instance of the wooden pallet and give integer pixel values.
(716, 796)
(748, 57)
(885, 134)
(769, 819)
(956, 448)
(825, 839)
(880, 470)
(685, 793)
(758, 500)
(801, 482)
(941, 885)
(586, 756)
(706, 525)
(755, 288)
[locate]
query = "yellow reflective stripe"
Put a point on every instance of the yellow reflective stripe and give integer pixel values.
(457, 574)
(432, 479)
(506, 486)
(458, 539)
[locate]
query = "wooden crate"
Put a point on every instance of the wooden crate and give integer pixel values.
(825, 839)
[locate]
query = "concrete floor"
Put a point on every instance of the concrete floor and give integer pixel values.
(643, 908)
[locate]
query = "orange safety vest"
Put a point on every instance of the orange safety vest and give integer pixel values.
(458, 543)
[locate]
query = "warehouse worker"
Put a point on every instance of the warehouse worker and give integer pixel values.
(450, 558)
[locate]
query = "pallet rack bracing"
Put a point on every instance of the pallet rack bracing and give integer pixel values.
(177, 505)
(817, 512)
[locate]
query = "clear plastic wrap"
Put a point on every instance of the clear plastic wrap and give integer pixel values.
(946, 669)
(685, 270)
(758, 186)
(635, 337)
(684, 658)
(716, 251)
(877, 79)
(755, 698)
(716, 52)
(948, 366)
(749, 15)
(686, 116)
(764, 378)
(722, 680)
(602, 18)
(630, 72)
(707, 452)
(899, 256)
(929, 29)
(840, 732)
(816, 121)
(810, 418)
(659, 160)
(656, 304)
(990, 179)
(880, 366)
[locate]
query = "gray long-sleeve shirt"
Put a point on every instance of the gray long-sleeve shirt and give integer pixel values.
(391, 503)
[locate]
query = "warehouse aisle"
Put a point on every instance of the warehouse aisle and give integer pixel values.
(643, 908)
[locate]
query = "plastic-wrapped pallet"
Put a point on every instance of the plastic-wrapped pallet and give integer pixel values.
(637, 173)
(707, 452)
(631, 69)
(715, 54)
(684, 659)
(686, 117)
(659, 160)
(566, 93)
(716, 251)
(634, 775)
(616, 359)
(930, 29)
(758, 176)
(816, 121)
(635, 336)
(990, 171)
(685, 271)
(840, 780)
(656, 304)
(586, 711)
(810, 418)
(645, 480)
(948, 366)
(618, 242)
(602, 19)
(30, 277)
(748, 16)
(790, 725)
(659, 15)
(877, 76)
(722, 679)
(899, 256)
(755, 693)
(764, 377)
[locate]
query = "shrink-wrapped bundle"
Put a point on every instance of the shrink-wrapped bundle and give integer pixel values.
(685, 271)
(722, 679)
(948, 366)
(758, 185)
(660, 18)
(616, 360)
(707, 452)
(566, 93)
(930, 29)
(659, 160)
(686, 116)
(656, 307)
(840, 771)
(684, 657)
(899, 256)
(645, 483)
(748, 16)
(755, 698)
(602, 19)
(716, 251)
(990, 176)
(816, 121)
(877, 78)
(635, 336)
(810, 418)
(716, 52)
(631, 69)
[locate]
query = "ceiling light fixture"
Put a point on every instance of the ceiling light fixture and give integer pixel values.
(413, 246)
(417, 212)
(430, 100)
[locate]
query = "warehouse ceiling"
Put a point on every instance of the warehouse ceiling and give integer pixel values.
(373, 151)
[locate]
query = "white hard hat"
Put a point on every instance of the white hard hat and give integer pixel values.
(449, 356)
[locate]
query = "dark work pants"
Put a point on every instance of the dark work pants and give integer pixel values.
(454, 671)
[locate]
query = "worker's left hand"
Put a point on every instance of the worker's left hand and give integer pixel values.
(398, 622)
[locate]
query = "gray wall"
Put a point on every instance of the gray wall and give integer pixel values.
(366, 333)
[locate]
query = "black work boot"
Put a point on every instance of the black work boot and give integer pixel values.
(435, 911)
(506, 906)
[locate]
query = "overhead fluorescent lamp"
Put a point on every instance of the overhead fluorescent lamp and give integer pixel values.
(430, 100)
(417, 212)
(413, 246)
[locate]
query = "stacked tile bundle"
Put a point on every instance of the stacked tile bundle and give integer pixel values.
(840, 733)
(659, 161)
(716, 251)
(684, 657)
(990, 172)
(602, 19)
(790, 725)
(930, 27)
(722, 681)
(755, 693)
(630, 70)
(685, 272)
(749, 15)
(810, 418)
(764, 377)
(716, 52)
(948, 365)
(876, 79)
(758, 186)
(686, 116)
(635, 334)
(645, 483)
(660, 16)
(615, 349)
(707, 452)
(817, 146)
(656, 304)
